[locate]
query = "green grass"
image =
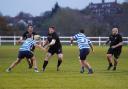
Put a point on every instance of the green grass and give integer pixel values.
(69, 77)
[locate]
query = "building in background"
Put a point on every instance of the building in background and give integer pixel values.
(104, 8)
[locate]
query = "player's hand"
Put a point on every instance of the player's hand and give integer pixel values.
(113, 47)
(44, 49)
(18, 42)
(46, 46)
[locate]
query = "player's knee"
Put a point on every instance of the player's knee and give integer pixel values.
(60, 56)
(109, 55)
(17, 61)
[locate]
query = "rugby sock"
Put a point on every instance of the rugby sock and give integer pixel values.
(90, 71)
(59, 62)
(82, 69)
(35, 69)
(45, 64)
(110, 64)
(9, 69)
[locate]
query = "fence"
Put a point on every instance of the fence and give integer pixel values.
(64, 40)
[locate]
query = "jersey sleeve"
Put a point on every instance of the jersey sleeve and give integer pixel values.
(34, 33)
(54, 36)
(75, 37)
(24, 35)
(89, 41)
(34, 43)
(120, 38)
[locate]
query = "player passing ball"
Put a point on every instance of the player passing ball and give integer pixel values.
(84, 45)
(25, 52)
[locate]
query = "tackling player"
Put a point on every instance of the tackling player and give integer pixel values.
(25, 52)
(84, 45)
(28, 34)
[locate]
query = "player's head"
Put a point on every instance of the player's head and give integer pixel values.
(115, 31)
(37, 37)
(30, 29)
(51, 29)
(81, 30)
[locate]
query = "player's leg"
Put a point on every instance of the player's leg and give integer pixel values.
(88, 66)
(30, 55)
(82, 66)
(116, 56)
(30, 63)
(13, 65)
(47, 57)
(84, 63)
(35, 64)
(115, 63)
(109, 58)
(20, 57)
(60, 59)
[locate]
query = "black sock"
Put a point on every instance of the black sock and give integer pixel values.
(45, 64)
(110, 64)
(9, 69)
(59, 62)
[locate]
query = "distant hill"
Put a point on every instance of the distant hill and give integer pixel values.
(69, 21)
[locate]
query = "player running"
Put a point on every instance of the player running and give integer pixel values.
(54, 46)
(84, 45)
(116, 42)
(25, 52)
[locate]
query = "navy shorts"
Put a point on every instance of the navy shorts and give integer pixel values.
(25, 54)
(83, 53)
(115, 52)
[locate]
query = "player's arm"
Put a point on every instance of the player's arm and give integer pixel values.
(71, 40)
(107, 42)
(120, 42)
(51, 43)
(91, 45)
(40, 47)
(20, 40)
(46, 42)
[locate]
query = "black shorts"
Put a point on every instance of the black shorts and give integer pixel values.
(115, 52)
(55, 50)
(25, 54)
(83, 53)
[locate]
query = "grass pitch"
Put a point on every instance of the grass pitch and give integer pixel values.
(69, 77)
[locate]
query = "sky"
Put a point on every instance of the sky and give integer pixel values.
(36, 7)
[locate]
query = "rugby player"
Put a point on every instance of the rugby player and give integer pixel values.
(54, 46)
(84, 45)
(25, 52)
(28, 34)
(116, 42)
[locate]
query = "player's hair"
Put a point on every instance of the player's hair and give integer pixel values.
(53, 27)
(81, 30)
(30, 25)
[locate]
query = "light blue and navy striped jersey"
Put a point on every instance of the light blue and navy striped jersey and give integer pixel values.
(82, 41)
(27, 45)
